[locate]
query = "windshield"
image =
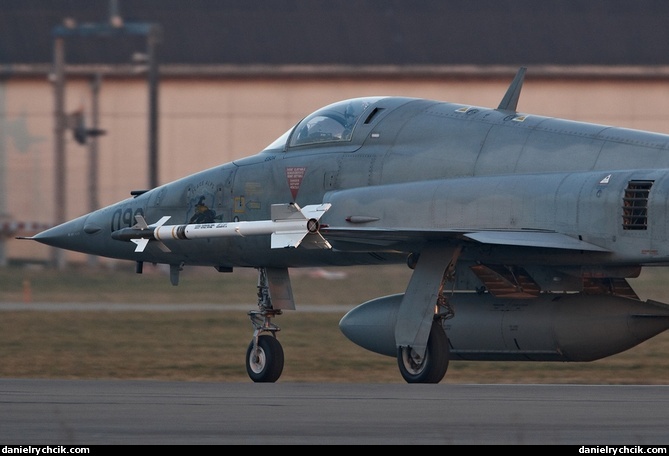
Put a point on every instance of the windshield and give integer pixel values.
(280, 142)
(333, 123)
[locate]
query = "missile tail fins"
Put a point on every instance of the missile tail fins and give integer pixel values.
(285, 240)
(309, 237)
(315, 211)
(315, 241)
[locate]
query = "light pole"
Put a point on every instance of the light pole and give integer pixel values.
(60, 122)
(93, 203)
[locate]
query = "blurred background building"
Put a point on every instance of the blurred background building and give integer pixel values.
(101, 97)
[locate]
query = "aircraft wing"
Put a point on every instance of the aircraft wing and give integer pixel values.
(543, 239)
(403, 239)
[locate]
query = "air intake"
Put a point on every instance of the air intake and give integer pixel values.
(635, 205)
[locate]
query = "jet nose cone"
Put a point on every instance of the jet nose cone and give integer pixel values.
(68, 235)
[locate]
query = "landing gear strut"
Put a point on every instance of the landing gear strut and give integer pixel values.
(264, 357)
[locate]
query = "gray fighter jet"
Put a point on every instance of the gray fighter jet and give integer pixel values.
(521, 230)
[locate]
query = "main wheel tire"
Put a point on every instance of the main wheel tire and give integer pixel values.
(266, 365)
(435, 364)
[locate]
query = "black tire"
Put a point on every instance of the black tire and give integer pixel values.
(434, 366)
(268, 365)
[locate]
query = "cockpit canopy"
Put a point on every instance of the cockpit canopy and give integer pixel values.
(332, 123)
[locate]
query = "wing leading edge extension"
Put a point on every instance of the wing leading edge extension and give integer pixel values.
(549, 240)
(534, 210)
(344, 238)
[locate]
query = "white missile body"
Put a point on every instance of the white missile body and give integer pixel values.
(289, 228)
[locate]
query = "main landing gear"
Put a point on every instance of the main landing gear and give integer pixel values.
(264, 357)
(432, 366)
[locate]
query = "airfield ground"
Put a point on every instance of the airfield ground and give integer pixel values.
(211, 345)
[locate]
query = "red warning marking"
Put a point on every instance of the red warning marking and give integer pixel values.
(294, 176)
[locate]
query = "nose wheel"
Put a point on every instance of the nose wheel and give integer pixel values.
(264, 356)
(264, 359)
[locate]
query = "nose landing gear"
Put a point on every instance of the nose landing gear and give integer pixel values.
(264, 356)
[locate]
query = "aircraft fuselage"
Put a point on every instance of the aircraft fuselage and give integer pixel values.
(542, 220)
(445, 166)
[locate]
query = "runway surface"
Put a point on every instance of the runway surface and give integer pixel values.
(74, 412)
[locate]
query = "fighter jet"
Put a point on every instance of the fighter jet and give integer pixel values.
(521, 230)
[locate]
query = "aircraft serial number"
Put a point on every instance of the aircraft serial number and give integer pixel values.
(122, 218)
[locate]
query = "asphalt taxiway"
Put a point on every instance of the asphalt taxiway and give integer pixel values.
(85, 412)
